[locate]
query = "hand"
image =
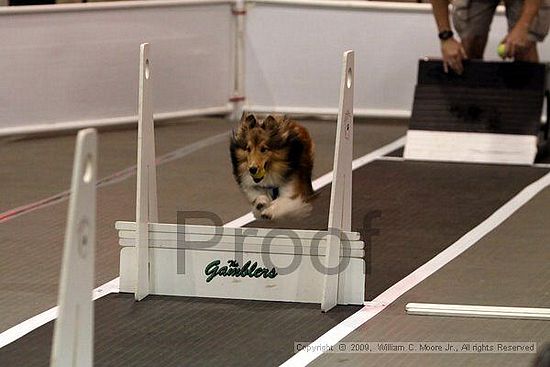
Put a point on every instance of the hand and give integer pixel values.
(453, 54)
(516, 41)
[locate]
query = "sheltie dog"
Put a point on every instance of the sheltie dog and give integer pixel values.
(272, 163)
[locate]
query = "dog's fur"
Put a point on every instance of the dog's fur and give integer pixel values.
(272, 163)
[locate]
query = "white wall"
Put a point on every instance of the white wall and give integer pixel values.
(293, 54)
(77, 65)
(67, 64)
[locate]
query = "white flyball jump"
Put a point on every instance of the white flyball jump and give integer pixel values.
(340, 194)
(325, 267)
(73, 332)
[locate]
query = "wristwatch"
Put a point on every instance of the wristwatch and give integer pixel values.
(445, 35)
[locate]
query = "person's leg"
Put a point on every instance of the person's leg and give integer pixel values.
(474, 46)
(472, 21)
(537, 31)
(530, 54)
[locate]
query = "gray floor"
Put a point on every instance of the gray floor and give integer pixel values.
(421, 213)
(499, 269)
(31, 244)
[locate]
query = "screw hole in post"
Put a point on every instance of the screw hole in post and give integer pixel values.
(147, 72)
(349, 77)
(84, 234)
(88, 170)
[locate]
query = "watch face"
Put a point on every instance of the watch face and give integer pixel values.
(445, 35)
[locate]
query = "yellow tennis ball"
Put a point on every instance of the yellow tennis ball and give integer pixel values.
(501, 50)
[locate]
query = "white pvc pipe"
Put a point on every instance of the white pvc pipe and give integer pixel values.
(350, 4)
(357, 4)
(239, 10)
(332, 112)
(63, 8)
(125, 120)
(432, 309)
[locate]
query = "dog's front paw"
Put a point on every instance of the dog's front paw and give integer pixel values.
(267, 213)
(261, 203)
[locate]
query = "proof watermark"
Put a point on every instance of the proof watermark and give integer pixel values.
(240, 241)
(418, 347)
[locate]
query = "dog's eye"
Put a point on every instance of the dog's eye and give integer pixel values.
(263, 150)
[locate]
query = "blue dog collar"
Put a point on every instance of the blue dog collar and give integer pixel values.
(272, 191)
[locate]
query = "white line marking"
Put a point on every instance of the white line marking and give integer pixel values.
(35, 322)
(393, 159)
(239, 222)
(22, 329)
(373, 308)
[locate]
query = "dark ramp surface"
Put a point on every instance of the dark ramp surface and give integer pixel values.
(181, 331)
(489, 97)
(409, 211)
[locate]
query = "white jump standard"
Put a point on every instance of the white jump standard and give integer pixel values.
(243, 263)
(74, 328)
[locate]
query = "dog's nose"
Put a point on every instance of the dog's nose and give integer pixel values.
(253, 170)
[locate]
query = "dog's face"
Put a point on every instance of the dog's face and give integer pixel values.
(257, 147)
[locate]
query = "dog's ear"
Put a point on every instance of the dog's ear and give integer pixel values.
(248, 121)
(270, 123)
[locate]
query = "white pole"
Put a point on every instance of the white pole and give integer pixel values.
(433, 309)
(238, 97)
(73, 332)
(340, 196)
(146, 201)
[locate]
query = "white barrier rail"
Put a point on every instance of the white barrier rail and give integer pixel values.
(75, 65)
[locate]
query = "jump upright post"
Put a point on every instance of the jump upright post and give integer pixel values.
(339, 219)
(74, 328)
(146, 201)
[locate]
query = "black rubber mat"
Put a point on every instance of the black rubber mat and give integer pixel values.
(507, 267)
(181, 331)
(409, 211)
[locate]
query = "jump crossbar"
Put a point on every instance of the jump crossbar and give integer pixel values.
(231, 246)
(294, 243)
(228, 231)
